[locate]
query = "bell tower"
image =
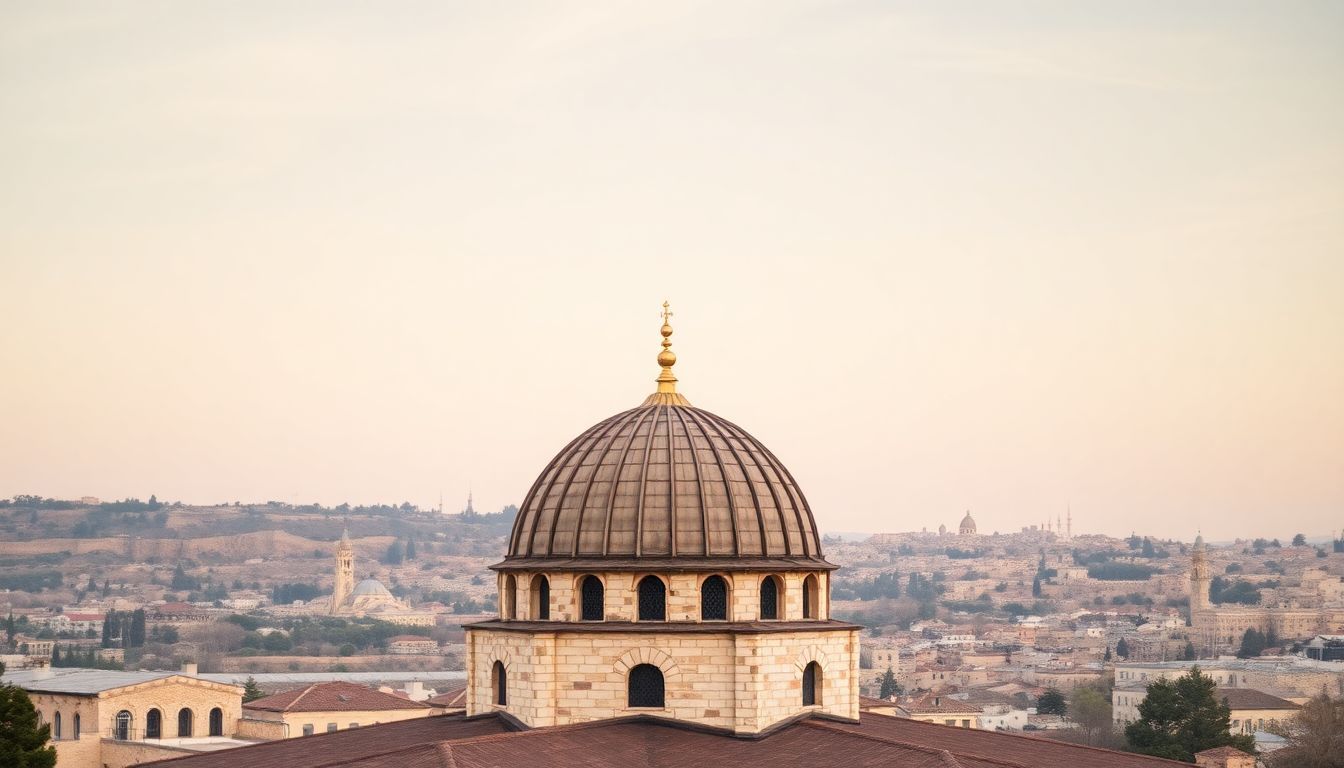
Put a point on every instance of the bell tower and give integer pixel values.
(1199, 578)
(345, 571)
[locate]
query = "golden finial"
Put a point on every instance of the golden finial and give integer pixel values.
(667, 381)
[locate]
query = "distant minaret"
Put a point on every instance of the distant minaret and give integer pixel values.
(1199, 578)
(345, 571)
(1069, 534)
(1059, 523)
(470, 511)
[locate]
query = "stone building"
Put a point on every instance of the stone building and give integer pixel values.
(369, 597)
(1222, 626)
(967, 527)
(325, 708)
(665, 562)
(114, 719)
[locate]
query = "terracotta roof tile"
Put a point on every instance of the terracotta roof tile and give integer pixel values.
(332, 697)
(1250, 698)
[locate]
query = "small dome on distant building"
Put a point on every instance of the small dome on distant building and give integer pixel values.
(370, 587)
(967, 524)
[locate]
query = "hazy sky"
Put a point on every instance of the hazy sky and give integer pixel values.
(997, 256)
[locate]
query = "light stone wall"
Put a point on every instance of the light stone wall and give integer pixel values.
(741, 681)
(98, 714)
(290, 724)
(683, 594)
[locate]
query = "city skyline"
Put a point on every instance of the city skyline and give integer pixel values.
(1002, 261)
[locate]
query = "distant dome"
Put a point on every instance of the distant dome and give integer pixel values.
(968, 524)
(370, 587)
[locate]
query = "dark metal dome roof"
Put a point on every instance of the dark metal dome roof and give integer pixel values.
(666, 480)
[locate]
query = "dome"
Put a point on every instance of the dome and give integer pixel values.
(665, 480)
(370, 587)
(968, 523)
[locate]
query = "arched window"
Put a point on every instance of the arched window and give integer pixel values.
(509, 605)
(541, 598)
(122, 728)
(593, 597)
(75, 735)
(56, 726)
(652, 599)
(811, 598)
(770, 597)
(499, 680)
(714, 599)
(646, 686)
(183, 723)
(153, 724)
(216, 722)
(811, 684)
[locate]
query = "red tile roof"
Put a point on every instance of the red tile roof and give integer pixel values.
(332, 697)
(451, 699)
(1250, 698)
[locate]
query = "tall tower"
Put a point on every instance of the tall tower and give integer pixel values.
(1069, 531)
(1199, 578)
(345, 571)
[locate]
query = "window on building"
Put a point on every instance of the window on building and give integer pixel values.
(56, 726)
(216, 722)
(184, 722)
(153, 724)
(75, 735)
(331, 727)
(770, 598)
(811, 684)
(965, 723)
(509, 605)
(714, 599)
(811, 598)
(592, 596)
(645, 686)
(949, 722)
(121, 728)
(308, 730)
(652, 599)
(499, 680)
(541, 598)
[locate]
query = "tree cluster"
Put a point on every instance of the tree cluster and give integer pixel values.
(1181, 717)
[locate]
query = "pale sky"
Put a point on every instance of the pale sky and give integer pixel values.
(999, 256)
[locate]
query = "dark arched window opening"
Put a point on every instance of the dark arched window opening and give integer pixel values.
(646, 686)
(652, 599)
(183, 722)
(770, 598)
(541, 598)
(216, 722)
(122, 728)
(501, 681)
(510, 608)
(811, 684)
(593, 597)
(56, 726)
(153, 724)
(807, 598)
(76, 733)
(714, 599)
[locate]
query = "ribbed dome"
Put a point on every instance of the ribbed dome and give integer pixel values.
(665, 480)
(370, 587)
(968, 524)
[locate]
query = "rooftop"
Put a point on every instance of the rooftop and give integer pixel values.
(79, 681)
(332, 697)
(1250, 698)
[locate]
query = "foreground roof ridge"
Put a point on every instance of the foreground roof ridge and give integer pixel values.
(1038, 740)
(296, 699)
(941, 753)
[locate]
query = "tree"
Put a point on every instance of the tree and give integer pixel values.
(1299, 540)
(1252, 643)
(1189, 653)
(410, 549)
(1122, 649)
(136, 636)
(1051, 702)
(394, 553)
(1091, 710)
(1181, 717)
(251, 691)
(1148, 550)
(1036, 587)
(23, 743)
(1107, 657)
(889, 686)
(1315, 736)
